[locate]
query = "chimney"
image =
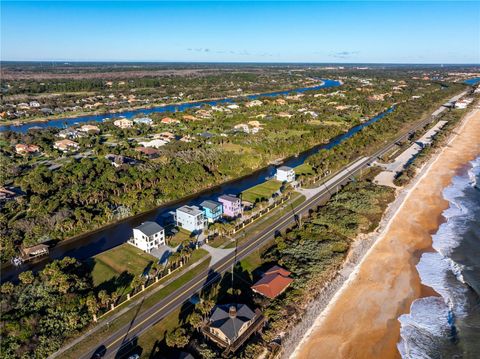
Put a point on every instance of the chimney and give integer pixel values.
(232, 311)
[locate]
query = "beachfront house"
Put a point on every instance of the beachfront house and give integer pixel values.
(273, 282)
(147, 236)
(213, 210)
(191, 218)
(285, 174)
(230, 325)
(232, 206)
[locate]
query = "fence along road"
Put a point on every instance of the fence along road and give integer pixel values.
(126, 335)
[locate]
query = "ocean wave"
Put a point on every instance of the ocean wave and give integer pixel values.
(423, 328)
(434, 324)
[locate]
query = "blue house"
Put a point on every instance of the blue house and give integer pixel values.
(213, 210)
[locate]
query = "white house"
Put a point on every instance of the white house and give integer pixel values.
(143, 121)
(462, 104)
(191, 218)
(123, 123)
(254, 103)
(147, 236)
(154, 143)
(285, 174)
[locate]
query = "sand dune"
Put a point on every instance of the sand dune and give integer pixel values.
(361, 321)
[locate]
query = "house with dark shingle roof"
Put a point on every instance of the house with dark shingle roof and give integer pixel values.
(230, 325)
(147, 236)
(213, 210)
(273, 282)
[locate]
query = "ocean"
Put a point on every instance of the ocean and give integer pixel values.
(448, 325)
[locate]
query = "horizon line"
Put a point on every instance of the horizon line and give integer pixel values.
(237, 62)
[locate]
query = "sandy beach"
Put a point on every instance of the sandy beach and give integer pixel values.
(361, 320)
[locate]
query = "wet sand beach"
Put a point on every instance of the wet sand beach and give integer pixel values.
(361, 320)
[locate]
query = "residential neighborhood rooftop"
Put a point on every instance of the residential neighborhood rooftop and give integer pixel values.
(229, 318)
(192, 210)
(229, 197)
(273, 282)
(149, 228)
(212, 205)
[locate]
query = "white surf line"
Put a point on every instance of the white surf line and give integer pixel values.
(380, 237)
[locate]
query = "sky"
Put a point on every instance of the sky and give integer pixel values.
(340, 31)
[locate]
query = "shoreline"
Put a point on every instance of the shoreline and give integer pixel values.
(385, 282)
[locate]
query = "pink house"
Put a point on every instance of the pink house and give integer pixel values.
(232, 206)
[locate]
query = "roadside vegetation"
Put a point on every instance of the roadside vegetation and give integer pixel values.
(84, 191)
(66, 194)
(312, 250)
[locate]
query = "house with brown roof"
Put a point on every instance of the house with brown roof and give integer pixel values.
(23, 149)
(166, 136)
(168, 120)
(273, 282)
(148, 151)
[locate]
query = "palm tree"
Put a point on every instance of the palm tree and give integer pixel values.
(205, 307)
(104, 298)
(135, 283)
(92, 305)
(196, 321)
(114, 297)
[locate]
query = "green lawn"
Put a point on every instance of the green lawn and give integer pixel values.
(179, 237)
(102, 334)
(218, 241)
(124, 258)
(262, 191)
(304, 169)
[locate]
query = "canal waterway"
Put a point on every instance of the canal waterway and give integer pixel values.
(92, 243)
(69, 121)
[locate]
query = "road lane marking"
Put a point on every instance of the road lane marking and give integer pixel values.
(355, 167)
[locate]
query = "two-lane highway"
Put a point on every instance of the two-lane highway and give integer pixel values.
(125, 335)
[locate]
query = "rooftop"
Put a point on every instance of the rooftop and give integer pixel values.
(229, 318)
(149, 228)
(273, 282)
(229, 197)
(212, 205)
(284, 168)
(191, 210)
